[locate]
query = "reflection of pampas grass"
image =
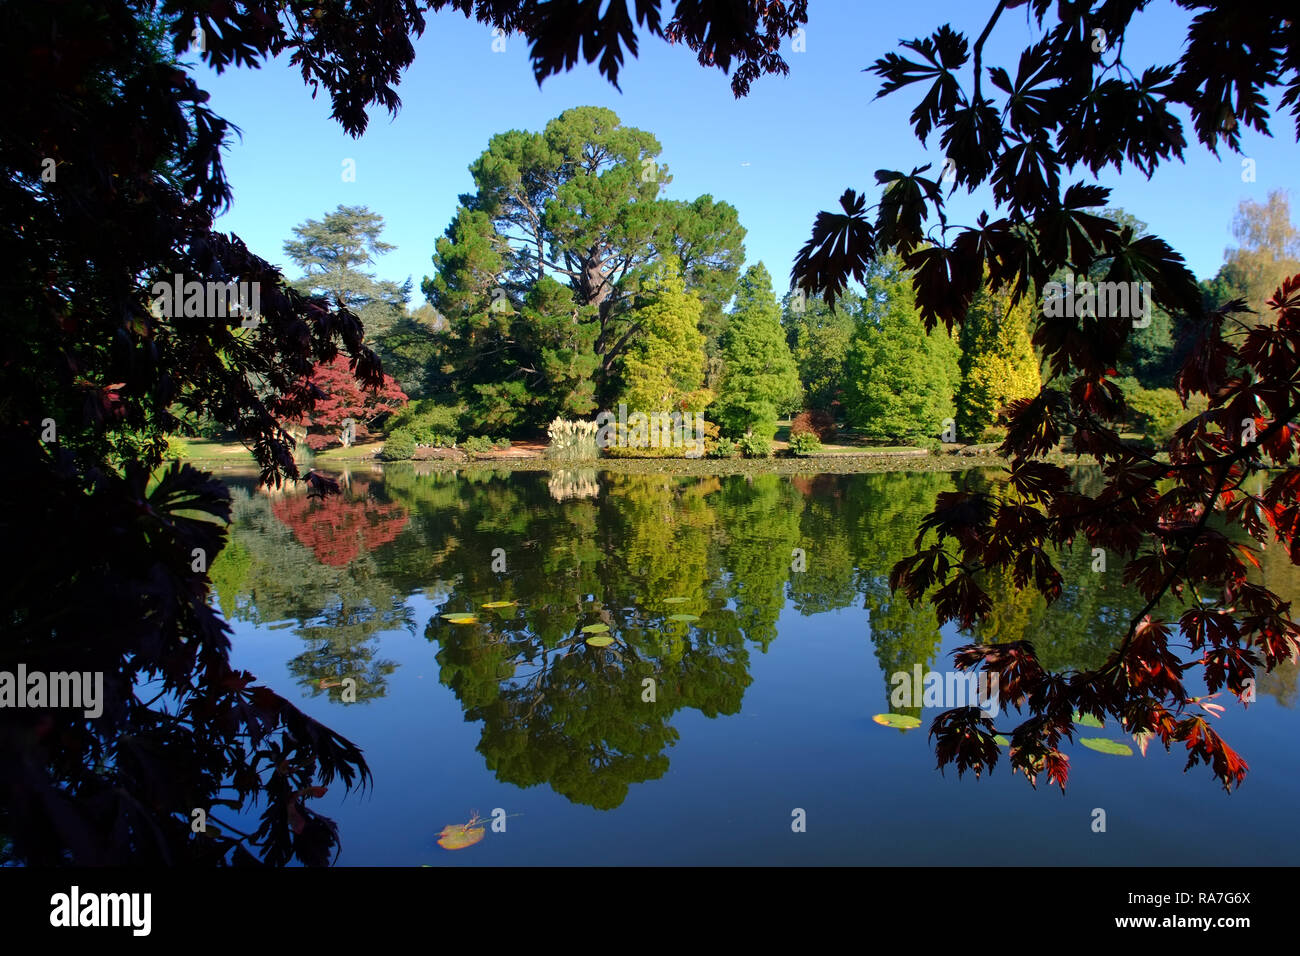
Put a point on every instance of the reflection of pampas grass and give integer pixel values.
(574, 484)
(572, 441)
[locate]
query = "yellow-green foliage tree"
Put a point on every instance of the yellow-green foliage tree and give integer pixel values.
(1268, 250)
(998, 364)
(664, 368)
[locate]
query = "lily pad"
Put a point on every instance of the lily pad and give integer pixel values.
(676, 600)
(595, 629)
(461, 618)
(898, 721)
(599, 640)
(457, 836)
(683, 617)
(1087, 720)
(1001, 741)
(499, 604)
(1104, 746)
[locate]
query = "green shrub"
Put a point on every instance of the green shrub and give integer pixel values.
(398, 446)
(477, 445)
(177, 448)
(804, 444)
(1157, 412)
(613, 451)
(501, 443)
(429, 422)
(724, 448)
(756, 446)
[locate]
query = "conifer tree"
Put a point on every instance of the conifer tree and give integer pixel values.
(664, 368)
(997, 361)
(900, 380)
(759, 379)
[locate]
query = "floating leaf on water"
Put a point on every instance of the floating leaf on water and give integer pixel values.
(898, 721)
(457, 836)
(676, 600)
(595, 629)
(1087, 720)
(498, 604)
(1104, 746)
(599, 640)
(1001, 741)
(461, 618)
(683, 617)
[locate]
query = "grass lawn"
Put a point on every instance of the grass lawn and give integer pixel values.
(208, 451)
(847, 442)
(357, 452)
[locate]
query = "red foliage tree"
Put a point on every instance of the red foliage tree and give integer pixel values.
(342, 399)
(814, 421)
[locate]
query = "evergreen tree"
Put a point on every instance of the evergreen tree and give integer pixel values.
(410, 349)
(997, 360)
(664, 368)
(334, 253)
(900, 380)
(1150, 356)
(577, 203)
(819, 337)
(759, 379)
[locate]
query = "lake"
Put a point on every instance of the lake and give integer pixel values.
(752, 639)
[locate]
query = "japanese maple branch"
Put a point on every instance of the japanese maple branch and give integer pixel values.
(978, 49)
(1225, 465)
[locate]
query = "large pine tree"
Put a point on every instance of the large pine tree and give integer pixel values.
(759, 379)
(336, 253)
(579, 204)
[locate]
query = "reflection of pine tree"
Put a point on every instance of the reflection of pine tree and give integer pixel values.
(1081, 627)
(882, 513)
(554, 709)
(830, 579)
(760, 515)
(903, 635)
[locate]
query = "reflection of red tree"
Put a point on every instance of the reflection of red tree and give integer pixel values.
(339, 531)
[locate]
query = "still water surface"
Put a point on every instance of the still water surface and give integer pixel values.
(763, 700)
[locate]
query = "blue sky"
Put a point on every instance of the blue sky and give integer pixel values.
(779, 156)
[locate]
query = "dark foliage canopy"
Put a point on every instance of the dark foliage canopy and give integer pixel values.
(1188, 522)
